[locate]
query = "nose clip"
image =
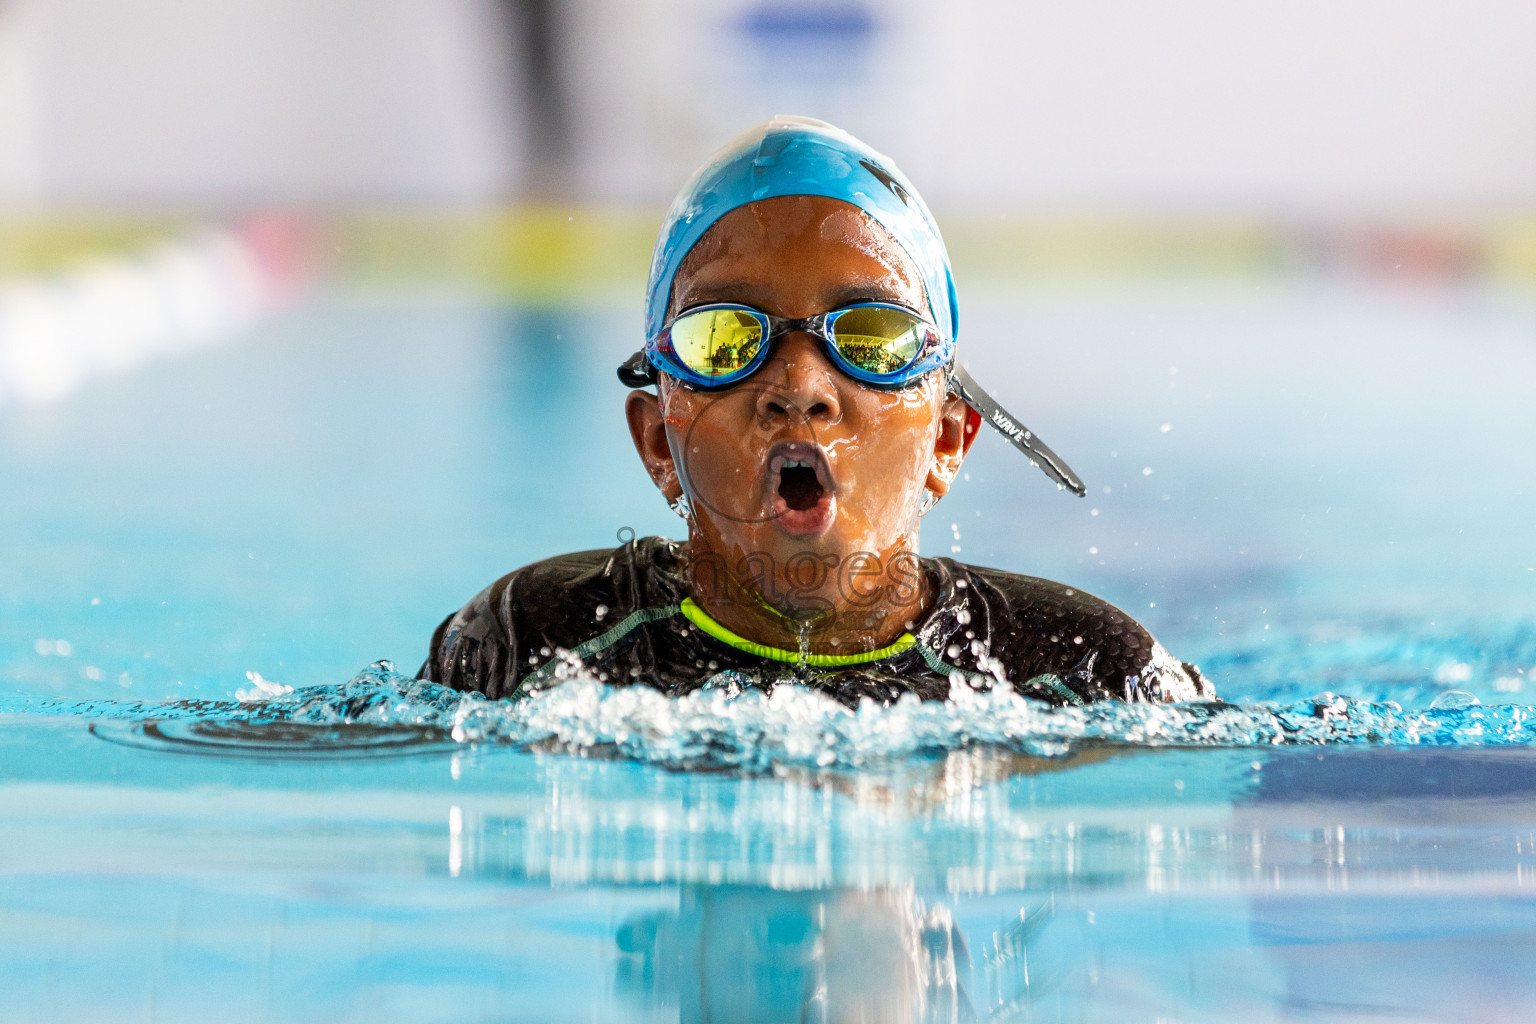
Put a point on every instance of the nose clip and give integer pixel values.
(1021, 437)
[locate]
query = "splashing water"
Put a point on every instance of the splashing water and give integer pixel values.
(729, 726)
(802, 669)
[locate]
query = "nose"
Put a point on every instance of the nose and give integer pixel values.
(799, 383)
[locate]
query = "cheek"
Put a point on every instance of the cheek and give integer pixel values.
(712, 443)
(893, 446)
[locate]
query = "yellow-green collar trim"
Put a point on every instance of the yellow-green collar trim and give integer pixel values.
(696, 615)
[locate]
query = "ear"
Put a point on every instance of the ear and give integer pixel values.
(958, 426)
(648, 429)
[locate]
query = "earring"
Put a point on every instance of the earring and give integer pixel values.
(683, 507)
(930, 499)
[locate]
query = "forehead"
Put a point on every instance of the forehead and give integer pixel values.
(796, 255)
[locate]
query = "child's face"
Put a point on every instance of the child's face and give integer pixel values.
(867, 456)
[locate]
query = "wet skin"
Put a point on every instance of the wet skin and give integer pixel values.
(828, 546)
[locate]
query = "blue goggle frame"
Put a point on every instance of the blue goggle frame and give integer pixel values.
(935, 353)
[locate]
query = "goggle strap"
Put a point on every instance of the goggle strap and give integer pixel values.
(1018, 435)
(637, 371)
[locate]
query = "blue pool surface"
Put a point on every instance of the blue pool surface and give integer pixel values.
(1337, 526)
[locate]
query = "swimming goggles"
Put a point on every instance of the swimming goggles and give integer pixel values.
(879, 344)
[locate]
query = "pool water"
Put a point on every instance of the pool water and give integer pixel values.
(1320, 491)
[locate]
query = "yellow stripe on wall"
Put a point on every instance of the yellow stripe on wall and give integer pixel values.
(559, 254)
(530, 253)
(38, 244)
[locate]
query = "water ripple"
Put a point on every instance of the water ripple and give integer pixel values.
(381, 712)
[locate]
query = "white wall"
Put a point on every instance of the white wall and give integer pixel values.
(1289, 105)
(20, 160)
(660, 84)
(257, 100)
(1274, 106)
(1286, 107)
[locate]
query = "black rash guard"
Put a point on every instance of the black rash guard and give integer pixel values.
(619, 613)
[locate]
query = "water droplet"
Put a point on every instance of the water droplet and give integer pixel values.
(1454, 700)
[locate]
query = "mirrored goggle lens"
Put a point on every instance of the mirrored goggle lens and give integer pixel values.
(881, 340)
(716, 342)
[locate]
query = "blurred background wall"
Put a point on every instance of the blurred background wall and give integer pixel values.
(1272, 108)
(177, 102)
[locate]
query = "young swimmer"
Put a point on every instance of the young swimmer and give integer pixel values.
(801, 326)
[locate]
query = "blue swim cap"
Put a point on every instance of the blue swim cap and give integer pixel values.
(799, 156)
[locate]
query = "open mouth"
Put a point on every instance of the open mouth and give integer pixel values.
(801, 488)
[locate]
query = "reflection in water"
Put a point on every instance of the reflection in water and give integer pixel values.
(1010, 986)
(754, 954)
(758, 955)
